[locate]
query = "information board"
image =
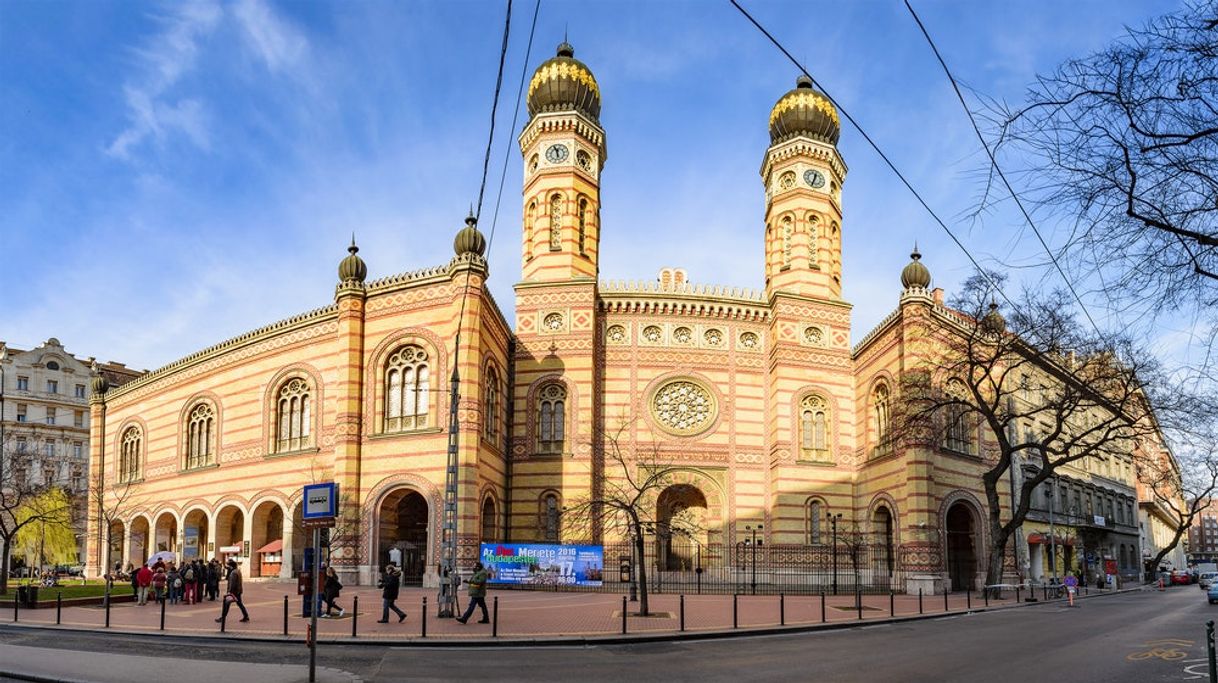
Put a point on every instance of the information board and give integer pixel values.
(544, 564)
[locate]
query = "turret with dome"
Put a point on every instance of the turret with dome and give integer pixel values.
(804, 110)
(564, 83)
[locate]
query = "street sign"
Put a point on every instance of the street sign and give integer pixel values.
(318, 523)
(320, 500)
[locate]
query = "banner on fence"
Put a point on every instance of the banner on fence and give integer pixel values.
(543, 564)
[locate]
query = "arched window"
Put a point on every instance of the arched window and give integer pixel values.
(788, 230)
(813, 510)
(551, 418)
(528, 230)
(556, 222)
(813, 238)
(550, 512)
(957, 432)
(295, 416)
(200, 436)
(583, 218)
(488, 520)
(883, 531)
(814, 427)
(491, 404)
(407, 389)
(129, 455)
(880, 401)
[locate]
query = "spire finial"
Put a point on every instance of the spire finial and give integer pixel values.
(915, 255)
(352, 249)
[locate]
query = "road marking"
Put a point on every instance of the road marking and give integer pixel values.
(1167, 649)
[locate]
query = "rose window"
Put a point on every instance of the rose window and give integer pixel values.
(682, 335)
(616, 334)
(713, 337)
(683, 407)
(814, 336)
(749, 340)
(652, 334)
(553, 322)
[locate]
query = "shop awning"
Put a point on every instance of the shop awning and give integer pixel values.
(1044, 539)
(272, 547)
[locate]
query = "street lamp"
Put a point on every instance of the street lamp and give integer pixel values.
(753, 542)
(833, 523)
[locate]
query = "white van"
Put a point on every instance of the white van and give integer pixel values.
(1206, 579)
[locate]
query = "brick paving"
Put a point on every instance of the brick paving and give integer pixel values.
(522, 614)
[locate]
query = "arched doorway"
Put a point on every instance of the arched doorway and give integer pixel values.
(114, 546)
(681, 527)
(266, 546)
(489, 521)
(403, 533)
(139, 541)
(230, 532)
(882, 540)
(961, 547)
(166, 537)
(194, 535)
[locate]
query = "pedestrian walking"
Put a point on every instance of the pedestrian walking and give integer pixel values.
(189, 596)
(213, 579)
(234, 593)
(174, 580)
(159, 579)
(389, 594)
(143, 580)
(477, 595)
(330, 591)
(134, 576)
(200, 580)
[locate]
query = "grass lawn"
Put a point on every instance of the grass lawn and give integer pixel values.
(72, 590)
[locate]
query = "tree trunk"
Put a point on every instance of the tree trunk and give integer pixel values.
(639, 546)
(4, 562)
(997, 554)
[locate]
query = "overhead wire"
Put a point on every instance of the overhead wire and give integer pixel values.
(998, 169)
(874, 146)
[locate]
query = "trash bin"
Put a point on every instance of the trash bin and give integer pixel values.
(27, 596)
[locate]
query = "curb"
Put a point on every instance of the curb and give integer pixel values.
(569, 641)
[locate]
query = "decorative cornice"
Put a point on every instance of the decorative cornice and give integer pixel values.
(564, 122)
(875, 332)
(717, 301)
(288, 324)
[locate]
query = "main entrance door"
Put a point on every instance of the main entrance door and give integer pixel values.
(961, 556)
(404, 534)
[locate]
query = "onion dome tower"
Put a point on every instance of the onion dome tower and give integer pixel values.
(915, 275)
(993, 322)
(469, 240)
(563, 146)
(803, 174)
(100, 384)
(352, 268)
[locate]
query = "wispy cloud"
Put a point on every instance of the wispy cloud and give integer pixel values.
(276, 42)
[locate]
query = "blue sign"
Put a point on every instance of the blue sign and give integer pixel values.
(320, 500)
(544, 564)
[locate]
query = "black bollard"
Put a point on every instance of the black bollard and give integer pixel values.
(16, 608)
(224, 621)
(782, 610)
(823, 617)
(735, 612)
(682, 611)
(285, 615)
(986, 595)
(919, 601)
(1044, 591)
(424, 618)
(163, 614)
(1017, 594)
(354, 615)
(946, 608)
(58, 606)
(892, 603)
(858, 601)
(495, 619)
(623, 615)
(968, 597)
(107, 601)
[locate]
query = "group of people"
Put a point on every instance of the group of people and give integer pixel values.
(188, 584)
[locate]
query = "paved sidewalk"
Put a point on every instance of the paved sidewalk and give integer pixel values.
(530, 615)
(71, 666)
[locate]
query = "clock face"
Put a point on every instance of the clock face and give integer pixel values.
(814, 178)
(557, 153)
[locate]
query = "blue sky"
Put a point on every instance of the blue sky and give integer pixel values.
(175, 174)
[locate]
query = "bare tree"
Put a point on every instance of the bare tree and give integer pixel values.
(1122, 147)
(1039, 391)
(20, 493)
(626, 500)
(108, 505)
(1183, 491)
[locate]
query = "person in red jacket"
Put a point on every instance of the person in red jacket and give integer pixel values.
(143, 579)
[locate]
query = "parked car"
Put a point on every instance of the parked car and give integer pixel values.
(1206, 579)
(1211, 595)
(1180, 578)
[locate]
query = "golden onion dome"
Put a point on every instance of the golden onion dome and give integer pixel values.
(804, 111)
(993, 322)
(469, 240)
(564, 83)
(352, 267)
(915, 274)
(100, 384)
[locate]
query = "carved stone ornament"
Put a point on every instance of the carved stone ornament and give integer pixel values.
(814, 336)
(713, 338)
(616, 334)
(750, 340)
(553, 322)
(652, 334)
(682, 335)
(683, 407)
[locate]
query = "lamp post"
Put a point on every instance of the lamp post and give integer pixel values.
(833, 523)
(753, 542)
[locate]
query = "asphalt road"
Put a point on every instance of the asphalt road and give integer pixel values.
(1144, 637)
